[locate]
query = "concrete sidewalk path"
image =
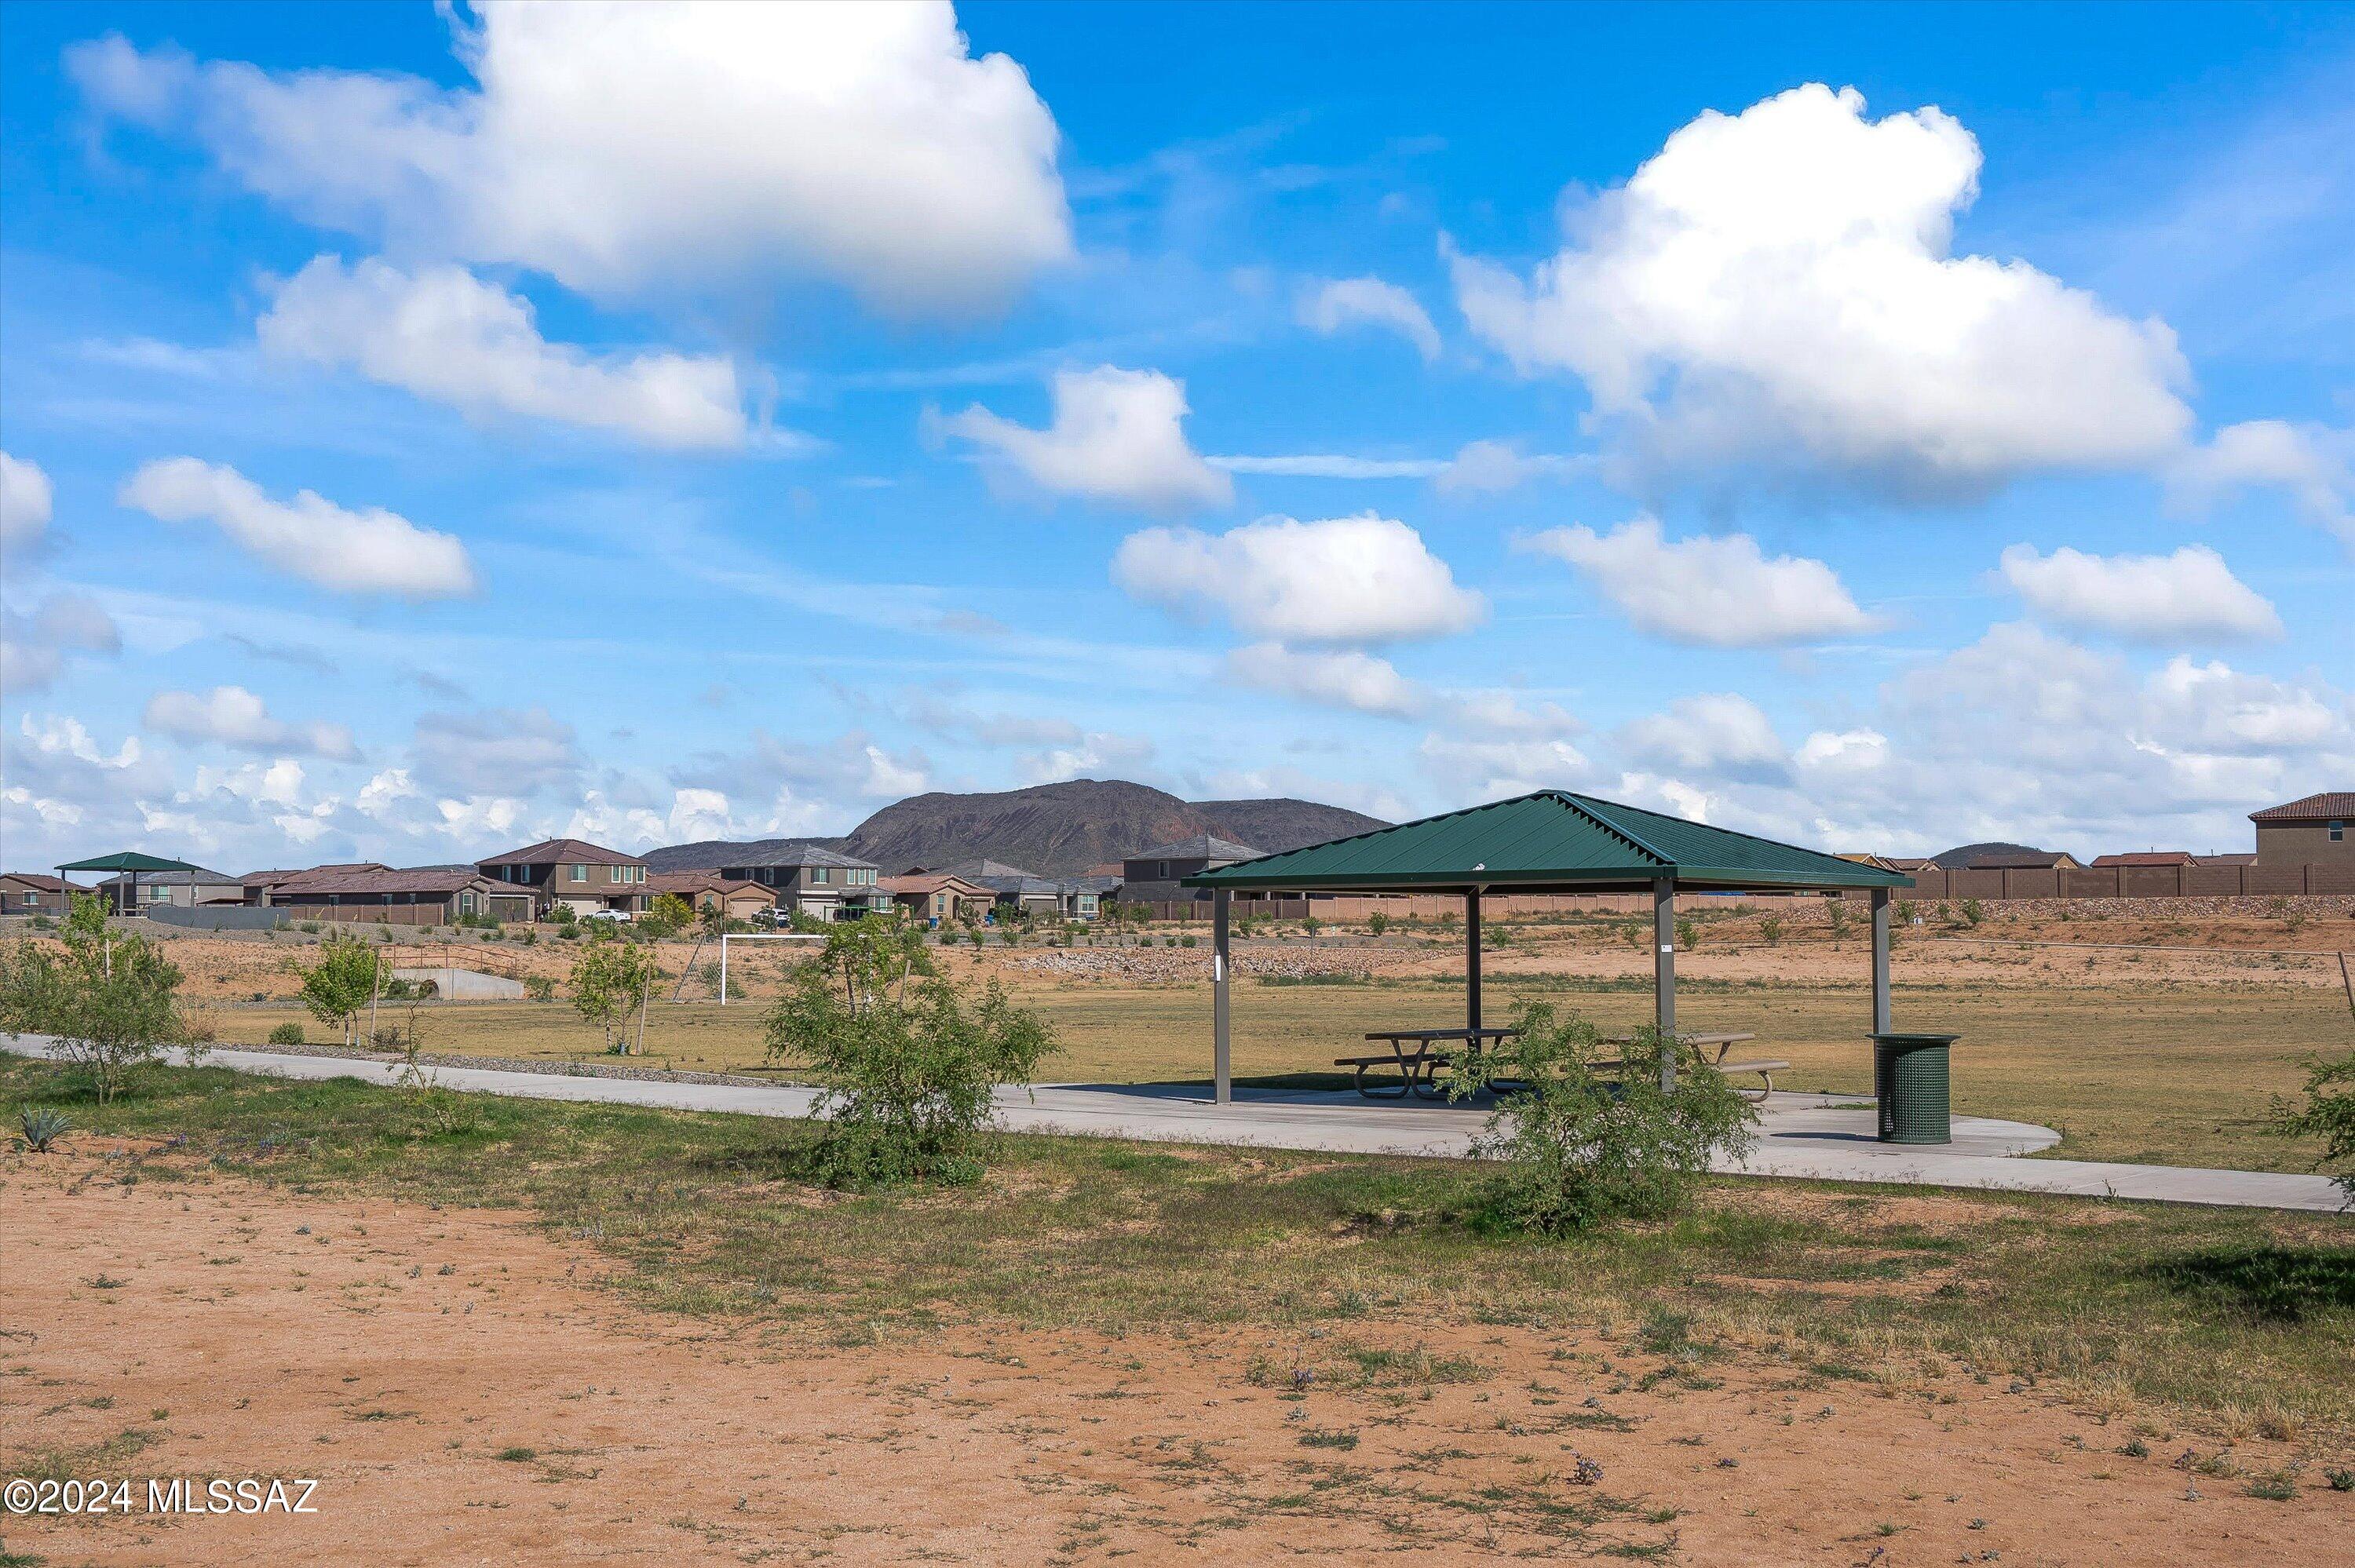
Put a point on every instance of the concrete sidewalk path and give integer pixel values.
(1825, 1138)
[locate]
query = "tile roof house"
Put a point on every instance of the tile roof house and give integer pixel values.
(738, 898)
(420, 895)
(936, 898)
(33, 893)
(588, 877)
(2147, 857)
(2317, 831)
(810, 879)
(1013, 887)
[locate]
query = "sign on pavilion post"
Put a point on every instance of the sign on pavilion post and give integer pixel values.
(1664, 977)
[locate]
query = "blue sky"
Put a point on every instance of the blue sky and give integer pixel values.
(1881, 429)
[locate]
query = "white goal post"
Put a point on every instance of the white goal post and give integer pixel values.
(728, 937)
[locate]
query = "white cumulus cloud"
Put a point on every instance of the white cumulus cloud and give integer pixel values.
(1117, 438)
(1777, 288)
(25, 500)
(1716, 592)
(235, 718)
(1345, 579)
(636, 149)
(2150, 598)
(1339, 678)
(2314, 464)
(443, 333)
(368, 552)
(1719, 735)
(1340, 303)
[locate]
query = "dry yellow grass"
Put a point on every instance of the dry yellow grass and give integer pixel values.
(2155, 1071)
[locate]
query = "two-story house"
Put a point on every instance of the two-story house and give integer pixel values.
(1153, 874)
(822, 884)
(2317, 831)
(586, 877)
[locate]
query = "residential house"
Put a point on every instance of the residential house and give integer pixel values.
(585, 877)
(936, 899)
(2145, 857)
(33, 893)
(736, 898)
(1012, 889)
(261, 886)
(134, 891)
(1153, 875)
(809, 879)
(2317, 831)
(421, 895)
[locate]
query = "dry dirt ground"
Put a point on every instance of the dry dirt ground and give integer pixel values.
(465, 1392)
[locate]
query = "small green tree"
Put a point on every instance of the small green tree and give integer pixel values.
(1579, 1150)
(1770, 928)
(610, 978)
(904, 1058)
(670, 916)
(2328, 1114)
(338, 988)
(1377, 923)
(110, 1003)
(1687, 935)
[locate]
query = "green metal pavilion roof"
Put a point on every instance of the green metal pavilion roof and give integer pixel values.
(1552, 838)
(130, 860)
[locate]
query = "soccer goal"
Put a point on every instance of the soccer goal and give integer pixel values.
(728, 937)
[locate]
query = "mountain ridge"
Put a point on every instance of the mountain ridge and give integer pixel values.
(1055, 829)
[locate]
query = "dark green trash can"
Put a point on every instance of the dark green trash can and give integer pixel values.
(1909, 1080)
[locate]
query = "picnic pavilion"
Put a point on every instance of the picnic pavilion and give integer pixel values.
(1549, 841)
(126, 866)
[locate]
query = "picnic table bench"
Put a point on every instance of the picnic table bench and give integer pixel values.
(1417, 1055)
(1765, 1067)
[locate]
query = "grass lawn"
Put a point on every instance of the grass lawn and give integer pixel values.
(2159, 1073)
(2230, 1318)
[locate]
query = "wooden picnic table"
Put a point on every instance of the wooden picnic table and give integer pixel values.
(1417, 1055)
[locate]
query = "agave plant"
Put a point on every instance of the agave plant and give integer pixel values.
(41, 1127)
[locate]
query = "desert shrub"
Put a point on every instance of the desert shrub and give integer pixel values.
(1770, 928)
(669, 915)
(1496, 935)
(1836, 912)
(2328, 1114)
(711, 974)
(1185, 941)
(287, 1033)
(43, 923)
(905, 1058)
(1377, 923)
(41, 1127)
(540, 988)
(610, 978)
(1578, 1149)
(1973, 911)
(527, 937)
(310, 928)
(1687, 936)
(110, 1002)
(342, 982)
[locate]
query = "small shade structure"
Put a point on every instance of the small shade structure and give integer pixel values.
(1551, 841)
(127, 864)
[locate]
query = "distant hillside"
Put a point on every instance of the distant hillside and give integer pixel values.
(1056, 829)
(1284, 824)
(1961, 857)
(710, 854)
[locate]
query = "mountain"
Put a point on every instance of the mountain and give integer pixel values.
(1961, 857)
(710, 854)
(1056, 830)
(1278, 825)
